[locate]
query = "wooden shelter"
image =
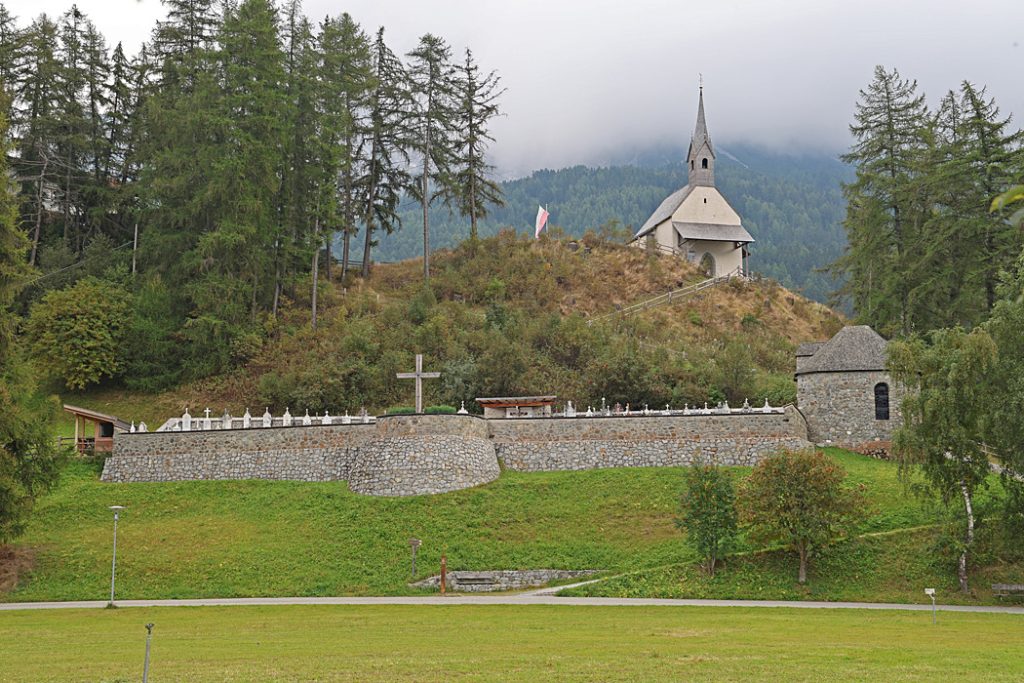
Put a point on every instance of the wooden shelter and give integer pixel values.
(95, 431)
(517, 406)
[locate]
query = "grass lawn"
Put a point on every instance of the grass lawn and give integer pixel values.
(263, 538)
(508, 643)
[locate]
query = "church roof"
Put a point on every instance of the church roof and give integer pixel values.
(665, 210)
(700, 131)
(856, 348)
(715, 232)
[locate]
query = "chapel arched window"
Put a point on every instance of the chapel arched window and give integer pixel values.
(881, 401)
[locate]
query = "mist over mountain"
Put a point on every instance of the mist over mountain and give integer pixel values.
(791, 204)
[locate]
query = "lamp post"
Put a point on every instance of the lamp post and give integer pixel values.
(145, 666)
(113, 563)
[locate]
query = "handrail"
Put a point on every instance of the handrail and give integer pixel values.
(669, 297)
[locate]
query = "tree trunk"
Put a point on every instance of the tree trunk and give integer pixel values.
(961, 565)
(366, 249)
(426, 211)
(39, 213)
(802, 578)
(345, 255)
(316, 268)
(327, 253)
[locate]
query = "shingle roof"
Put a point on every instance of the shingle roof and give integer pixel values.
(716, 232)
(856, 348)
(808, 349)
(665, 210)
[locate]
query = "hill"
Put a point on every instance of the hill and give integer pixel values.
(791, 204)
(507, 316)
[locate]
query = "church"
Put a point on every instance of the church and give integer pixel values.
(696, 221)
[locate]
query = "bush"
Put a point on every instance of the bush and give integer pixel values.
(708, 513)
(440, 410)
(401, 410)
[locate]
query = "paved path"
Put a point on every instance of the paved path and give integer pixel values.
(533, 598)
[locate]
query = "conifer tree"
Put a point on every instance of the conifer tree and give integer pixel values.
(474, 189)
(385, 171)
(348, 82)
(882, 216)
(434, 119)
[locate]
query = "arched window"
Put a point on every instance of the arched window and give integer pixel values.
(691, 164)
(881, 401)
(704, 163)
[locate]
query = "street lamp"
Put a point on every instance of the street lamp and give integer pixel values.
(113, 562)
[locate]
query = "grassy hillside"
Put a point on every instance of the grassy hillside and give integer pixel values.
(261, 538)
(508, 316)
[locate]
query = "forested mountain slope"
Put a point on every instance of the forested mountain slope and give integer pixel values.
(792, 205)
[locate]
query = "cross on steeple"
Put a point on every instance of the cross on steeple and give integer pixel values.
(419, 376)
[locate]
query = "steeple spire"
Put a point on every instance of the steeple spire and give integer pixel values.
(701, 156)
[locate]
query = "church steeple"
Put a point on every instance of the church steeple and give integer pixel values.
(701, 156)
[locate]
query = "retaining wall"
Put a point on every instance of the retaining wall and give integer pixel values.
(654, 441)
(405, 455)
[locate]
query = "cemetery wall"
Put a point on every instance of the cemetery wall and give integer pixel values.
(423, 454)
(652, 441)
(313, 453)
(420, 454)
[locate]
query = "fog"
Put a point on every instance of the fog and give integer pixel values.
(589, 80)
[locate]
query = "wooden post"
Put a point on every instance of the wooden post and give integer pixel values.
(76, 433)
(444, 573)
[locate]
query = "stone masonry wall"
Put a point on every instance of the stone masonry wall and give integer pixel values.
(653, 441)
(840, 407)
(320, 453)
(423, 454)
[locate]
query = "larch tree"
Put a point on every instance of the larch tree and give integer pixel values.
(889, 133)
(385, 177)
(477, 102)
(434, 120)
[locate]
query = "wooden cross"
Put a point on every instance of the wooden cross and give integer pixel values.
(419, 376)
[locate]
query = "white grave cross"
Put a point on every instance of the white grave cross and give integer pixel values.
(419, 376)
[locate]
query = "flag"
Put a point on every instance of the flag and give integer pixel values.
(542, 219)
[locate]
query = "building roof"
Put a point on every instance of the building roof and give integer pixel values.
(97, 417)
(808, 349)
(515, 401)
(856, 348)
(715, 232)
(665, 210)
(700, 131)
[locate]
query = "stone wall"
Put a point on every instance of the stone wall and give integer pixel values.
(320, 453)
(840, 407)
(501, 580)
(406, 455)
(652, 441)
(418, 454)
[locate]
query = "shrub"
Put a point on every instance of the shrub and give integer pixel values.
(401, 410)
(708, 512)
(440, 410)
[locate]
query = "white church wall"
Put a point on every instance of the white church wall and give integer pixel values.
(706, 205)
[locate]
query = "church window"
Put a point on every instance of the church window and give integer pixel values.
(881, 401)
(705, 200)
(704, 163)
(691, 164)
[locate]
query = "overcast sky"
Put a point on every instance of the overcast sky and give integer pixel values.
(588, 79)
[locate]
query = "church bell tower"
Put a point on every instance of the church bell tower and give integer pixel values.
(701, 157)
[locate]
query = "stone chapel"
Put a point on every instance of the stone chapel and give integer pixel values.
(696, 221)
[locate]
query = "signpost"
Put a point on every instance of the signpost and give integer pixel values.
(414, 543)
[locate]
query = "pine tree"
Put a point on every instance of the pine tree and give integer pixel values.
(477, 105)
(882, 218)
(434, 119)
(385, 176)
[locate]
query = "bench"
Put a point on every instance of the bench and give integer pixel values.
(1008, 590)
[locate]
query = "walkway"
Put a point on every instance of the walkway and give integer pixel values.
(532, 598)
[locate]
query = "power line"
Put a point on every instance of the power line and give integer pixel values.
(73, 265)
